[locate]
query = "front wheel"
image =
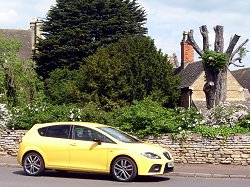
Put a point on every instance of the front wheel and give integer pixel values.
(33, 164)
(124, 169)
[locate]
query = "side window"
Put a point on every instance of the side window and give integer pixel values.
(42, 131)
(58, 131)
(87, 134)
(82, 133)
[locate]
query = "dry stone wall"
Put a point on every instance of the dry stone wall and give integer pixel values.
(9, 141)
(195, 149)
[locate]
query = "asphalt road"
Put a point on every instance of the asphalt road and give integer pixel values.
(15, 177)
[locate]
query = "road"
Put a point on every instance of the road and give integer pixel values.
(15, 177)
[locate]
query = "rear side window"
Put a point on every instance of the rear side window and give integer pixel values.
(56, 131)
(42, 131)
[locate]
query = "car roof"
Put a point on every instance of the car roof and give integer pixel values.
(86, 124)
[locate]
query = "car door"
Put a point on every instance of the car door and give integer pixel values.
(55, 144)
(85, 153)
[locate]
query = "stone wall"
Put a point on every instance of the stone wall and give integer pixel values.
(194, 150)
(9, 140)
(199, 150)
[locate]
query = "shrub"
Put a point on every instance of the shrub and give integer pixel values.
(224, 131)
(26, 117)
(225, 115)
(189, 117)
(4, 115)
(146, 118)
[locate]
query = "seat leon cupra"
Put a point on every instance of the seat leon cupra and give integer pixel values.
(90, 147)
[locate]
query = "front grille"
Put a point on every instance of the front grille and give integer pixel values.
(167, 155)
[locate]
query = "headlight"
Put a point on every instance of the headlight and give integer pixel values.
(151, 155)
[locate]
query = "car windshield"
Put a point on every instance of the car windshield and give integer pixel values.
(119, 135)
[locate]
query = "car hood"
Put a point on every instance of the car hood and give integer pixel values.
(145, 147)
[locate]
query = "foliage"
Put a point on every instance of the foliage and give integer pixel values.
(225, 114)
(4, 115)
(190, 118)
(25, 117)
(18, 79)
(131, 69)
(143, 118)
(215, 60)
(61, 87)
(74, 30)
(223, 131)
(146, 118)
(245, 123)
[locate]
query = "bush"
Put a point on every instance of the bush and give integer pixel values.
(146, 118)
(61, 87)
(26, 117)
(223, 131)
(225, 115)
(190, 118)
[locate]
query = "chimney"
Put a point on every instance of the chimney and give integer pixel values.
(187, 51)
(35, 26)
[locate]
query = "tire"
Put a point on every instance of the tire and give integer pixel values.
(124, 169)
(33, 164)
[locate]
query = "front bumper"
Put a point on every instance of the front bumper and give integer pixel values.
(169, 167)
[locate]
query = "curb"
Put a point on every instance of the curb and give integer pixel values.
(10, 165)
(178, 174)
(207, 175)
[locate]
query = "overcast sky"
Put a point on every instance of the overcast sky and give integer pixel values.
(167, 19)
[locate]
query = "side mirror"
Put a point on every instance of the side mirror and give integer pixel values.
(98, 141)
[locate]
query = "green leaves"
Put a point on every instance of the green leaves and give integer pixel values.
(131, 69)
(74, 30)
(215, 60)
(18, 80)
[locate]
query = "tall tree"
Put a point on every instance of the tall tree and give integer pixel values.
(73, 30)
(128, 70)
(216, 63)
(18, 80)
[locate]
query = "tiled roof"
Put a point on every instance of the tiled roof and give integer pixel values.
(190, 73)
(25, 36)
(243, 77)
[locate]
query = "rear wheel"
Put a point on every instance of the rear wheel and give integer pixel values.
(33, 164)
(124, 169)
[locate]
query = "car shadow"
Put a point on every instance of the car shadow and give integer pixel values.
(92, 176)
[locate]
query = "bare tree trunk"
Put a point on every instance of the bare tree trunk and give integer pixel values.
(215, 87)
(221, 75)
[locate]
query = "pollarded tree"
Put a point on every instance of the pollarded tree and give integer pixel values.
(73, 30)
(216, 63)
(128, 70)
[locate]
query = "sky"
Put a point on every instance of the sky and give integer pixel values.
(166, 19)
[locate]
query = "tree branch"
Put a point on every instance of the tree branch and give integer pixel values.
(192, 42)
(219, 40)
(237, 65)
(232, 44)
(237, 50)
(204, 33)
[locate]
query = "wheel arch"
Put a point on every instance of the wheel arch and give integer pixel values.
(33, 151)
(122, 155)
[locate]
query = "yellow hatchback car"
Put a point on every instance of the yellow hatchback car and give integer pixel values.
(90, 147)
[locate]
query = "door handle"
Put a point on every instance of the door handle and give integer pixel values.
(73, 144)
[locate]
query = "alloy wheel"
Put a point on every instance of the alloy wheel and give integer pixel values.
(33, 164)
(124, 169)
